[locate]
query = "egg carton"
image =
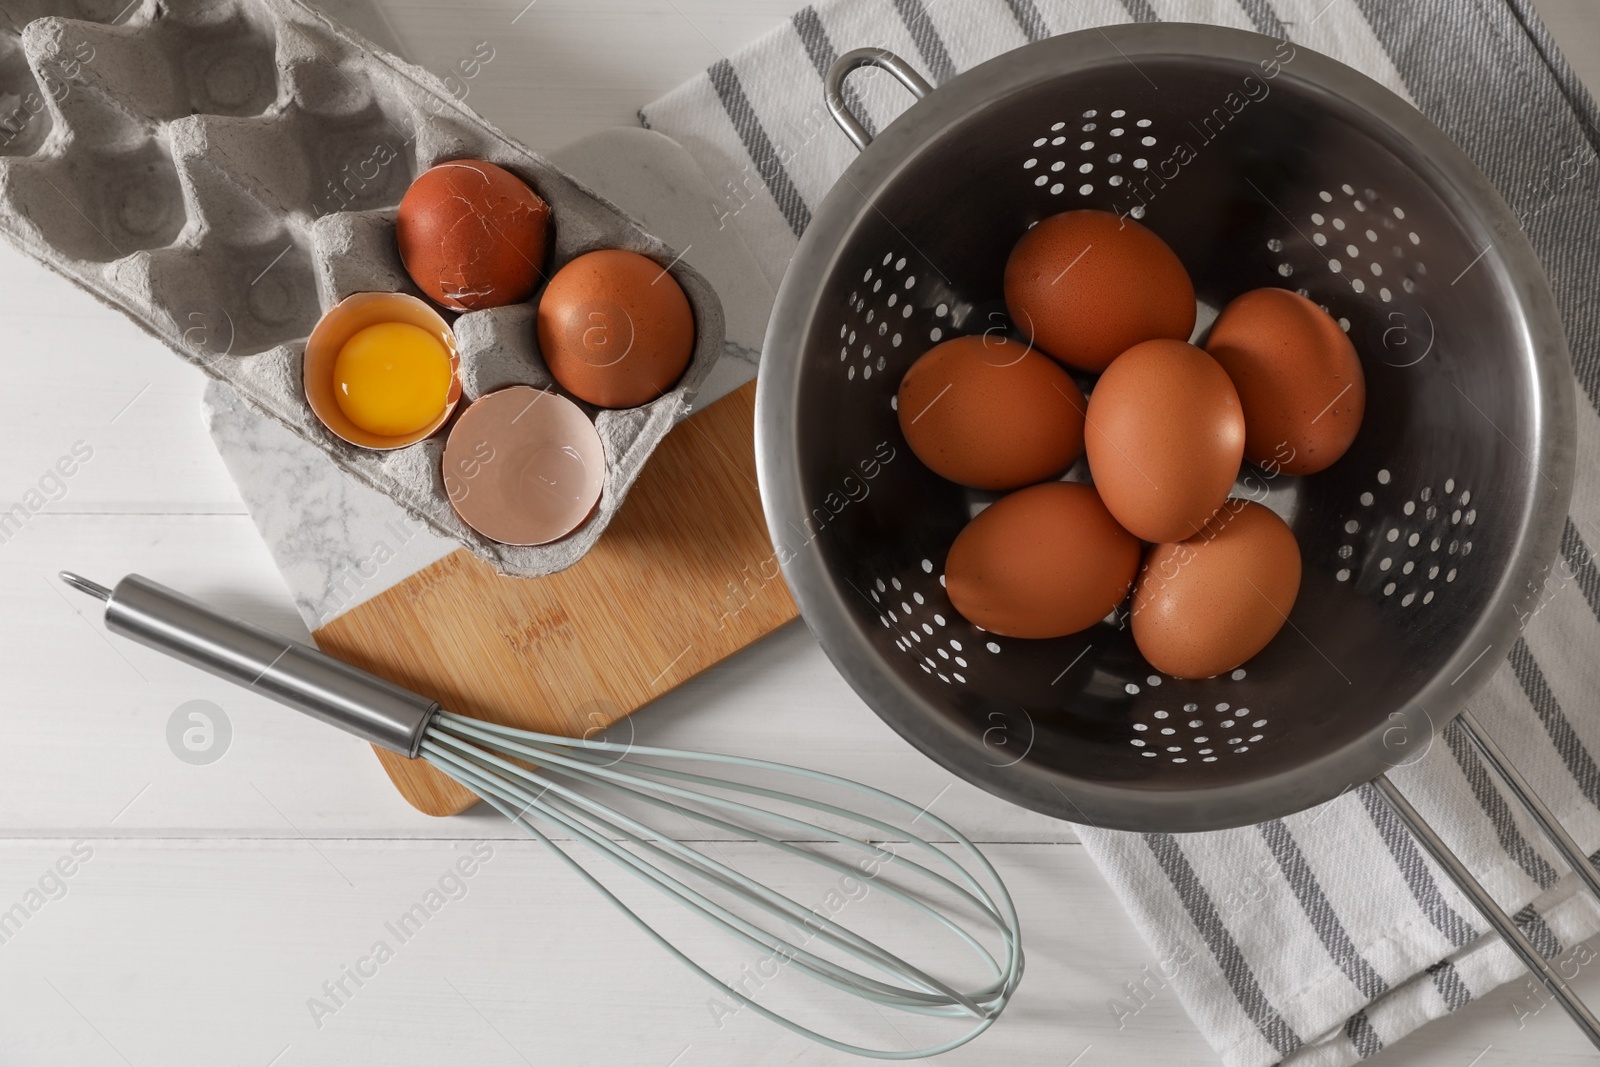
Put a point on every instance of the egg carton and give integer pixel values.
(225, 171)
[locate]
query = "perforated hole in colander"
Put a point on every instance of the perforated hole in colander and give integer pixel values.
(1182, 728)
(1405, 545)
(917, 611)
(900, 309)
(1184, 731)
(1101, 150)
(1358, 236)
(880, 317)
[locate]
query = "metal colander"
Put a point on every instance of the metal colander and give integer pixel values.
(1260, 164)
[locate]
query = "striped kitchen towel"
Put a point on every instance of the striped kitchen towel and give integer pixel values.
(1322, 937)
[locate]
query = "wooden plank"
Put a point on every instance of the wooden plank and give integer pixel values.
(675, 585)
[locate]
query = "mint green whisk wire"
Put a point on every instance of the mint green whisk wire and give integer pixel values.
(553, 755)
(520, 772)
(473, 753)
(734, 880)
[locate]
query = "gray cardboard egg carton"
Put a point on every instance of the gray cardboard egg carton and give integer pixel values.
(224, 171)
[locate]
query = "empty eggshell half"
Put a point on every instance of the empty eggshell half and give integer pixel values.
(343, 321)
(524, 466)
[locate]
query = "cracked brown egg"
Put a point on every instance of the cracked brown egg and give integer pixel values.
(615, 329)
(473, 235)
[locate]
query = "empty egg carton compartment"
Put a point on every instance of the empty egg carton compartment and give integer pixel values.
(225, 171)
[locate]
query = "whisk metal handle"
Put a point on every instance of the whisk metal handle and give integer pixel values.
(289, 672)
(1492, 912)
(881, 58)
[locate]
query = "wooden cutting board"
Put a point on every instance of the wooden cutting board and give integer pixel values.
(677, 582)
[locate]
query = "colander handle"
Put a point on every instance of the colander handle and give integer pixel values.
(881, 58)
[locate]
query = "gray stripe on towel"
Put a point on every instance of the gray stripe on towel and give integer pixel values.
(1264, 18)
(1538, 932)
(1141, 11)
(1203, 913)
(1358, 1028)
(1418, 879)
(1567, 80)
(756, 142)
(1334, 937)
(1535, 866)
(1028, 17)
(1448, 981)
(1579, 763)
(1581, 562)
(926, 37)
(819, 47)
(1525, 159)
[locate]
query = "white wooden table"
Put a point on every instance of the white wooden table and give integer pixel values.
(207, 904)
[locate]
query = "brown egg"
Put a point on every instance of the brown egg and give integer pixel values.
(1298, 378)
(991, 413)
(1165, 434)
(615, 329)
(1087, 286)
(1203, 606)
(472, 235)
(1045, 561)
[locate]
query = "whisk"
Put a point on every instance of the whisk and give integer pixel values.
(521, 774)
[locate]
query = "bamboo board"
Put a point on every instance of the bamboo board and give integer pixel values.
(675, 584)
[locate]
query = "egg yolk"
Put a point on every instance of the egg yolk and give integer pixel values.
(392, 379)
